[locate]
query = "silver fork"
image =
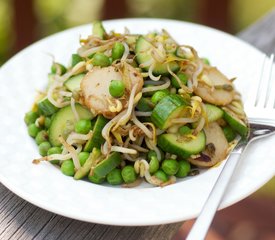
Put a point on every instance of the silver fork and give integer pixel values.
(262, 124)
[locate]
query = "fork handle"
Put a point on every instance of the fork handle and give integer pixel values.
(204, 220)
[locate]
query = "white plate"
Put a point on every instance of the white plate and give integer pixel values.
(46, 187)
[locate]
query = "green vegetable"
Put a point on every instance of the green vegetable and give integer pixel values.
(58, 68)
(76, 59)
(96, 140)
(143, 54)
(170, 166)
(43, 148)
(128, 174)
(30, 117)
(98, 30)
(67, 167)
(168, 108)
(83, 156)
(213, 112)
(33, 130)
(184, 169)
(206, 61)
(54, 150)
(63, 122)
(90, 161)
(95, 179)
(152, 154)
(153, 164)
(181, 146)
(236, 124)
(145, 105)
(83, 126)
(101, 60)
(47, 122)
(117, 51)
(114, 177)
(42, 136)
(183, 78)
(46, 107)
(107, 165)
(161, 176)
(158, 95)
(73, 83)
(117, 88)
(185, 130)
(229, 133)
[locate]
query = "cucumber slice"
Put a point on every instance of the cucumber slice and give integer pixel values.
(98, 30)
(143, 49)
(46, 107)
(229, 133)
(73, 83)
(63, 122)
(213, 112)
(96, 140)
(168, 108)
(236, 124)
(176, 144)
(107, 165)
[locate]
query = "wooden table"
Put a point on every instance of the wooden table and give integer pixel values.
(22, 220)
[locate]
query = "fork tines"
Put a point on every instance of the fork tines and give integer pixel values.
(265, 97)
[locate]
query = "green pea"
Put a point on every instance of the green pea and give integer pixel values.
(75, 59)
(42, 136)
(229, 133)
(30, 117)
(185, 130)
(33, 130)
(54, 150)
(152, 153)
(117, 88)
(170, 166)
(117, 50)
(158, 95)
(96, 179)
(183, 78)
(114, 177)
(83, 126)
(43, 148)
(47, 122)
(83, 156)
(100, 59)
(161, 176)
(206, 61)
(128, 174)
(184, 169)
(58, 68)
(67, 167)
(153, 165)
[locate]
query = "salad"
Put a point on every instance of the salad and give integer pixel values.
(131, 107)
